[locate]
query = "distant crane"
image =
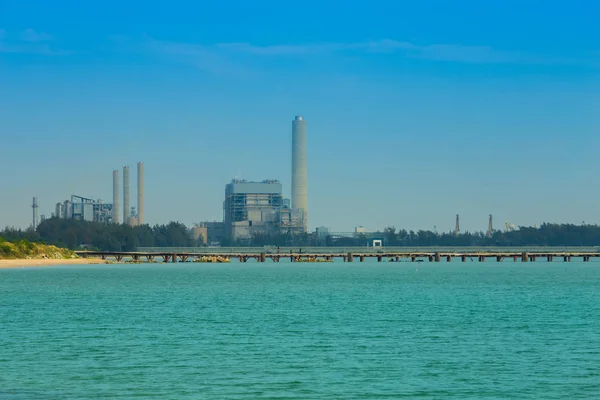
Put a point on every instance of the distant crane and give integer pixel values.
(457, 227)
(490, 231)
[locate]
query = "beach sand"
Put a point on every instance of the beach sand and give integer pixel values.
(49, 262)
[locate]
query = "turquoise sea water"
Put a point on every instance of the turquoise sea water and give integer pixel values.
(310, 331)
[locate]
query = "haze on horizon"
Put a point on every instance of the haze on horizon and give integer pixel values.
(415, 112)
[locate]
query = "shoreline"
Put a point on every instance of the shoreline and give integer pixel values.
(19, 263)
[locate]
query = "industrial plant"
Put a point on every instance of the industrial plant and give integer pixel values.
(89, 209)
(252, 208)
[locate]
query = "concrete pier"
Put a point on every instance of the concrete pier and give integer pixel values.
(262, 257)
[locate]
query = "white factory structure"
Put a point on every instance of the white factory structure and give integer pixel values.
(252, 208)
(88, 209)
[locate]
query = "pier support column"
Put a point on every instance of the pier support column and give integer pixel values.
(481, 258)
(119, 257)
(379, 258)
(437, 257)
(524, 257)
(586, 258)
(463, 258)
(263, 257)
(362, 258)
(565, 258)
(515, 258)
(498, 259)
(550, 258)
(174, 258)
(413, 258)
(345, 258)
(448, 258)
(150, 258)
(350, 257)
(166, 258)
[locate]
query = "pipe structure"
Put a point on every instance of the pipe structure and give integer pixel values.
(299, 169)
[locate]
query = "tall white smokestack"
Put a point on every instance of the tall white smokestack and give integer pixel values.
(140, 193)
(116, 203)
(299, 170)
(125, 195)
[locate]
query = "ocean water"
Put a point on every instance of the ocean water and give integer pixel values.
(301, 331)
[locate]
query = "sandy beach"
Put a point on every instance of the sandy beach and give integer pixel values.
(49, 262)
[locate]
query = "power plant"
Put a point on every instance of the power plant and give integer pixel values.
(299, 169)
(252, 208)
(89, 209)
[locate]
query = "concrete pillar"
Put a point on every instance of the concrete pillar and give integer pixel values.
(524, 257)
(413, 258)
(498, 259)
(448, 258)
(350, 257)
(263, 257)
(437, 257)
(379, 258)
(463, 258)
(362, 258)
(174, 258)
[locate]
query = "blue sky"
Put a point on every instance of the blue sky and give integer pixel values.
(416, 111)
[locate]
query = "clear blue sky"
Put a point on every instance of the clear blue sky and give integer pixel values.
(416, 110)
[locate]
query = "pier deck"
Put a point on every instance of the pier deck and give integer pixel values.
(436, 256)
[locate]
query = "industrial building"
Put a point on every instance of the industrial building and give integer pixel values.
(88, 209)
(251, 207)
(213, 232)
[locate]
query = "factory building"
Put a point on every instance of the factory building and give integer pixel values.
(88, 209)
(251, 208)
(213, 232)
(85, 209)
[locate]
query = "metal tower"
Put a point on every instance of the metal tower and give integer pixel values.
(457, 227)
(490, 231)
(35, 213)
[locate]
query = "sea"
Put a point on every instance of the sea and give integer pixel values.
(301, 331)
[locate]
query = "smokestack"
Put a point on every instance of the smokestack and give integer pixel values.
(125, 195)
(299, 170)
(140, 193)
(35, 213)
(116, 210)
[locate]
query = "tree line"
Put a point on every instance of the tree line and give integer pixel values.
(74, 234)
